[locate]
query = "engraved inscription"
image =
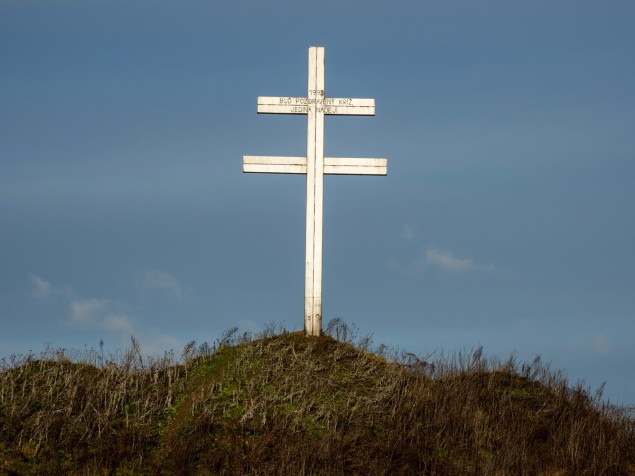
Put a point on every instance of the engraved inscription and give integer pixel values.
(325, 101)
(306, 105)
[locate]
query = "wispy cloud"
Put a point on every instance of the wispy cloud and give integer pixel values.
(409, 233)
(100, 314)
(602, 344)
(88, 313)
(108, 316)
(164, 282)
(85, 311)
(428, 258)
(118, 323)
(598, 344)
(44, 290)
(447, 261)
(40, 288)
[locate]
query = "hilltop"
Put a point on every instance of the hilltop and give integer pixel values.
(288, 404)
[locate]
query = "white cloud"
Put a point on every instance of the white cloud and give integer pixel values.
(108, 316)
(601, 344)
(409, 233)
(447, 261)
(430, 257)
(86, 311)
(159, 343)
(41, 289)
(99, 314)
(162, 281)
(91, 312)
(118, 323)
(598, 344)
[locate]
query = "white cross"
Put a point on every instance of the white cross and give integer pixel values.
(315, 165)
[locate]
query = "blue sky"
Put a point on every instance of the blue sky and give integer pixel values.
(506, 219)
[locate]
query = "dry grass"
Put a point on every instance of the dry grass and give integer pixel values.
(287, 404)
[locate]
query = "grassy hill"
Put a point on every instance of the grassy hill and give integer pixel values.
(287, 404)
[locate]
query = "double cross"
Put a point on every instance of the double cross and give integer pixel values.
(315, 165)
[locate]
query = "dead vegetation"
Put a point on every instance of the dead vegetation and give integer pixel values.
(287, 404)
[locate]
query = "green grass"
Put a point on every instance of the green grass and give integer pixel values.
(288, 404)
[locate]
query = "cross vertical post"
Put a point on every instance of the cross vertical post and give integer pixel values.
(314, 194)
(315, 165)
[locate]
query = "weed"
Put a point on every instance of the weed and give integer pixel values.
(288, 404)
